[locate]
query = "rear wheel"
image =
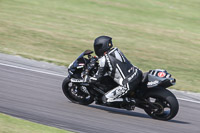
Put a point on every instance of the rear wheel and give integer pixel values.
(163, 104)
(76, 93)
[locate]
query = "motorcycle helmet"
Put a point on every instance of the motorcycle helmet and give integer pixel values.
(102, 44)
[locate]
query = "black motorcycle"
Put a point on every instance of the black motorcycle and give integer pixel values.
(151, 94)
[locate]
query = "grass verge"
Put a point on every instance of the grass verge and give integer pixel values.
(10, 124)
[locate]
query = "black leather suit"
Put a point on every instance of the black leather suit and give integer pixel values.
(116, 65)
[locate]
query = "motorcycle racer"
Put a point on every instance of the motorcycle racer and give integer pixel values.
(113, 62)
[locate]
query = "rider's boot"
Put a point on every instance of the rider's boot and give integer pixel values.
(129, 103)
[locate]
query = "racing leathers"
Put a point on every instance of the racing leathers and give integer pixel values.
(116, 65)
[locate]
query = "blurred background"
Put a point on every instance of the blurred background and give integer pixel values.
(152, 33)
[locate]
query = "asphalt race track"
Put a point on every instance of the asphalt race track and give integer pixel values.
(32, 90)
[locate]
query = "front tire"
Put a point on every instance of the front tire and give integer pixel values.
(74, 93)
(166, 103)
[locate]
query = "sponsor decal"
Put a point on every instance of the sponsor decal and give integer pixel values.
(77, 80)
(131, 69)
(132, 76)
(81, 64)
(109, 63)
(161, 74)
(78, 67)
(153, 83)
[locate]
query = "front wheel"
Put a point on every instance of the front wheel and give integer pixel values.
(163, 104)
(76, 93)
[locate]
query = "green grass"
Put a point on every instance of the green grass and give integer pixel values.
(10, 124)
(152, 33)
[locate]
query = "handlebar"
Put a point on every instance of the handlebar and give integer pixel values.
(90, 65)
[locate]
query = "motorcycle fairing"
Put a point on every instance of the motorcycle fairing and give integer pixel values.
(159, 77)
(75, 68)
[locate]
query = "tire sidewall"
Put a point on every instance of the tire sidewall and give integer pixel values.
(66, 92)
(165, 94)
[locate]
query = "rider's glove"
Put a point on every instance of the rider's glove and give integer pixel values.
(92, 63)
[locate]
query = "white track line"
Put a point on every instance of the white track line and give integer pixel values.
(54, 74)
(33, 70)
(188, 100)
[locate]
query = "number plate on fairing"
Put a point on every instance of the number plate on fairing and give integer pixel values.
(76, 80)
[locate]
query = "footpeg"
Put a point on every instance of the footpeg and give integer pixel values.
(130, 107)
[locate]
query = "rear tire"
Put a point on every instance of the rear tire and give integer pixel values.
(165, 101)
(74, 94)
